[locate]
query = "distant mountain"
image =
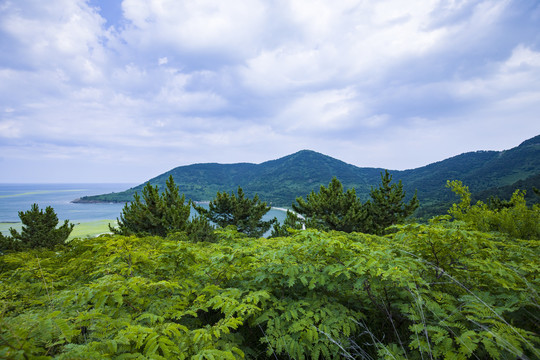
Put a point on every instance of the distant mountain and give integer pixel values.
(505, 192)
(280, 181)
(479, 170)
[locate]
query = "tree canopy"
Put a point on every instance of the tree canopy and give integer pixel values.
(462, 286)
(239, 211)
(154, 214)
(514, 218)
(332, 208)
(386, 206)
(39, 230)
(292, 222)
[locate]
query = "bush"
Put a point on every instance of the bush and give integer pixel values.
(514, 219)
(430, 291)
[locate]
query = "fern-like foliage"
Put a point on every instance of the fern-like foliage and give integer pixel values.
(441, 290)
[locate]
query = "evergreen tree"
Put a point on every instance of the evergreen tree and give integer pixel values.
(5, 243)
(199, 229)
(292, 221)
(176, 212)
(238, 210)
(332, 208)
(386, 207)
(154, 214)
(39, 230)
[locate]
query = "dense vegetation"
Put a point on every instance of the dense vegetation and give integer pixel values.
(239, 211)
(527, 185)
(333, 208)
(161, 215)
(39, 230)
(279, 182)
(438, 291)
(465, 285)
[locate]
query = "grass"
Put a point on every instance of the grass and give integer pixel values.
(91, 228)
(81, 230)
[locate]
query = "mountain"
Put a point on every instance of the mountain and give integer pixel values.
(480, 171)
(280, 181)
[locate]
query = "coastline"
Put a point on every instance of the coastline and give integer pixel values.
(81, 230)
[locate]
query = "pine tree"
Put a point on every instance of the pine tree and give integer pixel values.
(332, 208)
(386, 207)
(238, 210)
(292, 221)
(39, 230)
(176, 213)
(199, 229)
(154, 214)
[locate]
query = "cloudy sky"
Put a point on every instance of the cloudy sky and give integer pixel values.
(121, 91)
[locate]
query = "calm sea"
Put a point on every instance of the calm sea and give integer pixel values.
(20, 197)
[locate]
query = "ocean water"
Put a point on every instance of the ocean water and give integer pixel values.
(20, 197)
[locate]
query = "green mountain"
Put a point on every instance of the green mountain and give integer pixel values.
(280, 181)
(480, 170)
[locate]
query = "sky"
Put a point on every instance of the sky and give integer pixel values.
(122, 91)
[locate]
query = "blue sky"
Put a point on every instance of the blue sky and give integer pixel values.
(121, 91)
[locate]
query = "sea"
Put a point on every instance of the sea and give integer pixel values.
(20, 197)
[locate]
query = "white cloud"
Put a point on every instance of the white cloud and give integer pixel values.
(252, 80)
(323, 111)
(523, 58)
(231, 27)
(58, 34)
(9, 129)
(515, 76)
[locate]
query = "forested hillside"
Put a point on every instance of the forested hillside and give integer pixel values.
(279, 182)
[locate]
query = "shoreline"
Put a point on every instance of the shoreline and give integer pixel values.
(82, 229)
(85, 229)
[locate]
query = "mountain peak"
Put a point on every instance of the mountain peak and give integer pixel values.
(532, 141)
(282, 180)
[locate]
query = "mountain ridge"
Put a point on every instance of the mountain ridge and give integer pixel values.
(280, 181)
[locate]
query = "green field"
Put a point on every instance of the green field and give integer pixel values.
(81, 230)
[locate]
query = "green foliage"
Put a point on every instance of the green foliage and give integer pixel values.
(292, 222)
(5, 243)
(332, 208)
(387, 206)
(239, 211)
(466, 289)
(427, 291)
(155, 214)
(199, 229)
(39, 230)
(528, 184)
(511, 217)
